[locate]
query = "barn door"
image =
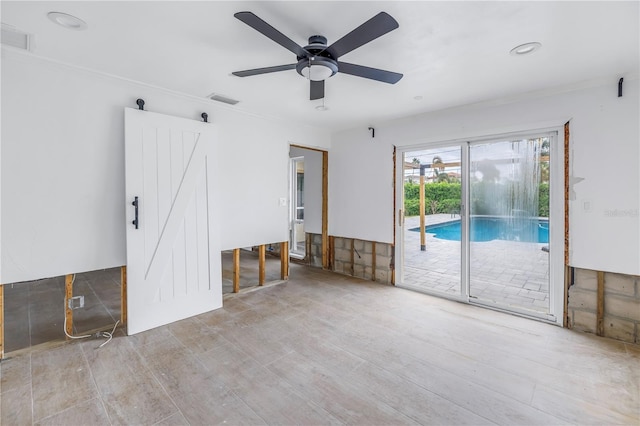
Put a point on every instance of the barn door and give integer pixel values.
(173, 255)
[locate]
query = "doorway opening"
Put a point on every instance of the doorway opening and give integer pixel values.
(297, 239)
(308, 205)
(483, 223)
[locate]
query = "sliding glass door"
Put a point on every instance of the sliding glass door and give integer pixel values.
(476, 223)
(509, 224)
(433, 223)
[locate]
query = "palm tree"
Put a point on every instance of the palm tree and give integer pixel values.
(438, 165)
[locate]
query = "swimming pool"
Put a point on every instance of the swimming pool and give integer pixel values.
(494, 228)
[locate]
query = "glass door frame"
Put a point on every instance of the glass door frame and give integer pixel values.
(464, 252)
(556, 219)
(293, 209)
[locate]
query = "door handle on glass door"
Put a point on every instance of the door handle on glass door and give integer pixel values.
(135, 205)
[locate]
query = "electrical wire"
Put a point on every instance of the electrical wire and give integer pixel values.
(107, 334)
(65, 320)
(73, 337)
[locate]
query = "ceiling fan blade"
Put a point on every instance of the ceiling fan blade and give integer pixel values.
(257, 71)
(375, 27)
(261, 26)
(371, 73)
(317, 90)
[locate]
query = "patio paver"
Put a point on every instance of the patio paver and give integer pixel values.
(505, 273)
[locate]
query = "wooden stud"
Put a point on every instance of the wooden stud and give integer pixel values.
(308, 148)
(373, 260)
(123, 295)
(236, 270)
(393, 267)
(1, 321)
(566, 195)
(284, 260)
(325, 210)
(352, 255)
(262, 250)
(600, 305)
(68, 294)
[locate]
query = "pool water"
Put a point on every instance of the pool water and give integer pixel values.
(494, 228)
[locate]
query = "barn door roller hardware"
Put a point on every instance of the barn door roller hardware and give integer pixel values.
(205, 117)
(140, 103)
(373, 132)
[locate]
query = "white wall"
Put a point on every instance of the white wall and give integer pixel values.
(63, 167)
(312, 188)
(361, 186)
(605, 153)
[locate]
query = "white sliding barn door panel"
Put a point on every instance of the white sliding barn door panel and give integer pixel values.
(173, 258)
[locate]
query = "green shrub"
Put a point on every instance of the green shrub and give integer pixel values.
(543, 200)
(446, 197)
(441, 196)
(449, 206)
(442, 191)
(411, 191)
(411, 207)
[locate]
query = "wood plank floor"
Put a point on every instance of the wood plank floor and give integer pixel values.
(328, 349)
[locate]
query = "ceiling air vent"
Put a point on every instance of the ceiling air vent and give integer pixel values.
(223, 99)
(14, 38)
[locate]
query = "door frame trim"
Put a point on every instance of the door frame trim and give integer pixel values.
(325, 201)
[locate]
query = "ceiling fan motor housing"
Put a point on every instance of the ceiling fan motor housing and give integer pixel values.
(319, 64)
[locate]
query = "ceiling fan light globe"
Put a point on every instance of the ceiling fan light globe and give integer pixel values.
(317, 72)
(317, 68)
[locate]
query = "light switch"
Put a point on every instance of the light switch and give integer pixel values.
(283, 202)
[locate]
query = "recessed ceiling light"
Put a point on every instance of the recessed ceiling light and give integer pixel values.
(68, 21)
(525, 49)
(418, 98)
(322, 108)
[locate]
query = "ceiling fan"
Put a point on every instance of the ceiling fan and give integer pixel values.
(317, 61)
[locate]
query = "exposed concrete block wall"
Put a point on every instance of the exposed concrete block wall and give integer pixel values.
(621, 304)
(314, 249)
(356, 257)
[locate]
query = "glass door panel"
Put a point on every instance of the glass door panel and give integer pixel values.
(297, 240)
(432, 230)
(509, 225)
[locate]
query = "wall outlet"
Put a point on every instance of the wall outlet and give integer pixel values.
(76, 302)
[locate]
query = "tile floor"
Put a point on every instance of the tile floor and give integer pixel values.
(504, 273)
(329, 349)
(34, 311)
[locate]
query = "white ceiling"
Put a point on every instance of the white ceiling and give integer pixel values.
(451, 53)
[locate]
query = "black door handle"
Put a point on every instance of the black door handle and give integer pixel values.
(135, 204)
